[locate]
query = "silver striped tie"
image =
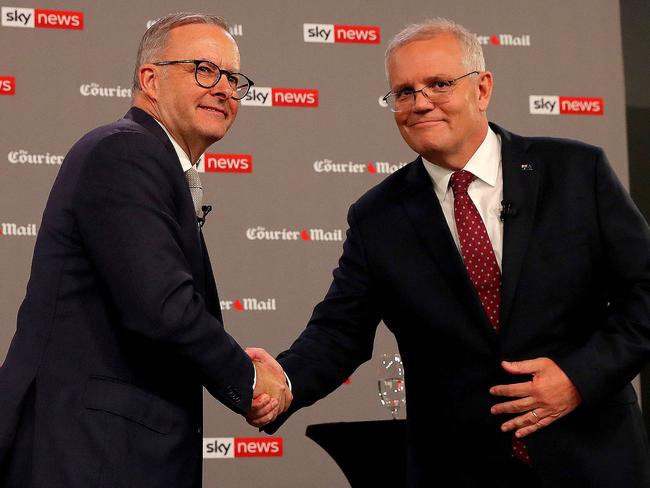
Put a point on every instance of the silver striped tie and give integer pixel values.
(196, 190)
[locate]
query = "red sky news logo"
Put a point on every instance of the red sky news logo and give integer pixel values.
(41, 18)
(249, 304)
(238, 447)
(226, 163)
(7, 85)
(260, 96)
(350, 34)
(558, 105)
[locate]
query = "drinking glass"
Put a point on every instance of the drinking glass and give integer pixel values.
(392, 393)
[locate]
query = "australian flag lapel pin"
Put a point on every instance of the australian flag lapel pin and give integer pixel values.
(526, 167)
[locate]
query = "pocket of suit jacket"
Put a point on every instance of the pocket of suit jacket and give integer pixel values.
(130, 402)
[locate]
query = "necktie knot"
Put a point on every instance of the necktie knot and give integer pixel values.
(460, 181)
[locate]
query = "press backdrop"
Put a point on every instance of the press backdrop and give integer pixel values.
(311, 138)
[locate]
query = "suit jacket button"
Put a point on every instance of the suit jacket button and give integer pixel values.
(233, 394)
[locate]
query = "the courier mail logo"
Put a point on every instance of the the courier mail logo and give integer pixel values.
(238, 447)
(350, 34)
(41, 18)
(558, 105)
(261, 96)
(11, 229)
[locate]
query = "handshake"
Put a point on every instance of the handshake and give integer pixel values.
(272, 395)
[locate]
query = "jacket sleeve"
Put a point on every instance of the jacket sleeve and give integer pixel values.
(615, 353)
(340, 334)
(125, 209)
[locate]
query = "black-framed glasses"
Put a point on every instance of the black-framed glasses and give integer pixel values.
(438, 91)
(207, 74)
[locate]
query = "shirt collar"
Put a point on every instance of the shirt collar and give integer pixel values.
(484, 164)
(182, 156)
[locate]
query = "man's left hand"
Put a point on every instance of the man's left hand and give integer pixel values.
(550, 395)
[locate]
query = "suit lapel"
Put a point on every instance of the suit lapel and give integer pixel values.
(423, 209)
(521, 177)
(191, 237)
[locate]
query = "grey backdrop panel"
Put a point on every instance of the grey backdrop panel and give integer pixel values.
(570, 51)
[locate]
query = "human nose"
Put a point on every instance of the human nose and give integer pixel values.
(222, 88)
(421, 103)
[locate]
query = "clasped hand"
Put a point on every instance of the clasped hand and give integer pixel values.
(271, 395)
(549, 396)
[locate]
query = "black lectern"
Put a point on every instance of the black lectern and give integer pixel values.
(369, 453)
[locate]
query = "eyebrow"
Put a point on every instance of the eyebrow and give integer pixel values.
(427, 81)
(232, 70)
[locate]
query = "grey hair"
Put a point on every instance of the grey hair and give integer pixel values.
(472, 52)
(155, 37)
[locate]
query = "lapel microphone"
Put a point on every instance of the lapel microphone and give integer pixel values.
(508, 210)
(206, 209)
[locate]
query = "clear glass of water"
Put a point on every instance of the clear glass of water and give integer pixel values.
(392, 393)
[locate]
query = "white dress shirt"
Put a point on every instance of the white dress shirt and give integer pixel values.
(486, 191)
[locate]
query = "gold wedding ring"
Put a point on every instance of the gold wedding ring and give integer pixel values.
(535, 415)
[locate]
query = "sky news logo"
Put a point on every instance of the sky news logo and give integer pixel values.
(260, 233)
(349, 34)
(558, 105)
(42, 19)
(7, 85)
(241, 447)
(250, 305)
(260, 96)
(226, 163)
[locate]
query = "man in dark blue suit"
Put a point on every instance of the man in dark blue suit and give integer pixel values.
(121, 326)
(514, 273)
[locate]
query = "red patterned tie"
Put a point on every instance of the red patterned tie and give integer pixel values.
(476, 248)
(481, 263)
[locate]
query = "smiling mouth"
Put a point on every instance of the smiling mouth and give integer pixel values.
(425, 122)
(213, 110)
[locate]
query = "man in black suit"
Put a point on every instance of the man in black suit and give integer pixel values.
(121, 325)
(514, 273)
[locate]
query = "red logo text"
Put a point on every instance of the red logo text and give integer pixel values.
(294, 97)
(228, 163)
(58, 19)
(7, 85)
(581, 105)
(256, 447)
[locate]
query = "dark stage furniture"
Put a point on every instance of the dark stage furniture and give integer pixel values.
(371, 453)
